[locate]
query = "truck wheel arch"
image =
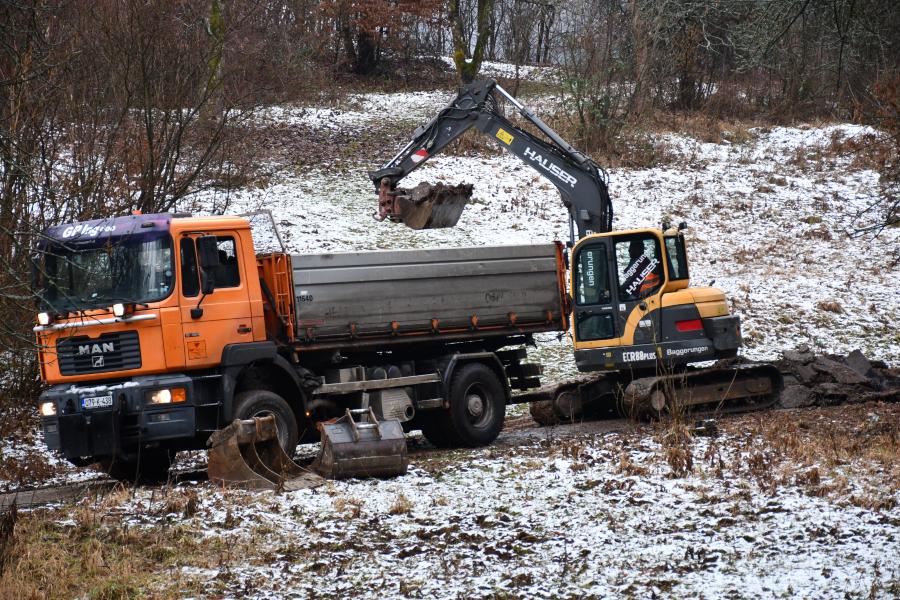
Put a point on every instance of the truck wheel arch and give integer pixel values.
(259, 362)
(489, 359)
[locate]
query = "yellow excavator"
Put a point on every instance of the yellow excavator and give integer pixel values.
(636, 323)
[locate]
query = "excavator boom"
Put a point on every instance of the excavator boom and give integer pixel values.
(581, 183)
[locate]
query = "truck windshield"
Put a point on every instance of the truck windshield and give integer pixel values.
(97, 273)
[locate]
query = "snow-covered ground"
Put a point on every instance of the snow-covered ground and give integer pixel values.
(594, 515)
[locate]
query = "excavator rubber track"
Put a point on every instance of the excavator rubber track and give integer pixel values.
(717, 390)
(734, 388)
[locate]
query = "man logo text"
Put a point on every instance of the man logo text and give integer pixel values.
(96, 348)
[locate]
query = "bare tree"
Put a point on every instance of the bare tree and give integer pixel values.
(468, 63)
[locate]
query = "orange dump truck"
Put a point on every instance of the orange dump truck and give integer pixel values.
(156, 330)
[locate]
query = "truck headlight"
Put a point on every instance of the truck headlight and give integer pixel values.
(167, 396)
(44, 318)
(48, 409)
(118, 309)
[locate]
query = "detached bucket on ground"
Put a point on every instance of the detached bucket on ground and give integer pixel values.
(359, 445)
(247, 454)
(426, 206)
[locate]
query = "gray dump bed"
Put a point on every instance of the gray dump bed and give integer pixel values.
(400, 295)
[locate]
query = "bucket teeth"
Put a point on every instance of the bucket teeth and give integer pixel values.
(247, 454)
(358, 444)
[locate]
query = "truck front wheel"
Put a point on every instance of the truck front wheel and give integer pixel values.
(262, 403)
(477, 406)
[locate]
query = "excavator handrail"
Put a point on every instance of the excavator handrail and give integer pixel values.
(581, 183)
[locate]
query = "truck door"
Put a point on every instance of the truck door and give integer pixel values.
(639, 279)
(224, 316)
(595, 317)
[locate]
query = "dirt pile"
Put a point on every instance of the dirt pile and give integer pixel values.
(825, 380)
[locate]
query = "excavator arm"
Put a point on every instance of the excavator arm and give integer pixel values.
(581, 183)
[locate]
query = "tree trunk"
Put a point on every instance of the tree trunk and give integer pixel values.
(468, 69)
(641, 60)
(366, 57)
(214, 83)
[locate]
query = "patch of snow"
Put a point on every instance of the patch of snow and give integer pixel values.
(543, 522)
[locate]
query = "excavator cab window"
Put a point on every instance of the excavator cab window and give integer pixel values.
(639, 266)
(592, 278)
(676, 257)
(593, 296)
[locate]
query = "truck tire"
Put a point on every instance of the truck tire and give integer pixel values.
(477, 406)
(150, 467)
(262, 403)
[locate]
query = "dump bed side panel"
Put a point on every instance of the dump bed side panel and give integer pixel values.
(391, 294)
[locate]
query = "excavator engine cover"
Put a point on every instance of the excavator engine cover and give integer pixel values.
(359, 445)
(247, 454)
(425, 206)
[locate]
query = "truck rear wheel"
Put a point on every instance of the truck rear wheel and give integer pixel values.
(149, 467)
(477, 406)
(263, 403)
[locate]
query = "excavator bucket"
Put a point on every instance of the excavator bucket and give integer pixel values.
(246, 454)
(425, 206)
(359, 445)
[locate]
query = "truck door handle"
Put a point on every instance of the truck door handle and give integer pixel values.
(244, 329)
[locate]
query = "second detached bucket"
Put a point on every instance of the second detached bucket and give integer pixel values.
(359, 445)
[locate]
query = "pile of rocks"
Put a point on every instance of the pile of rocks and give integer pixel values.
(823, 380)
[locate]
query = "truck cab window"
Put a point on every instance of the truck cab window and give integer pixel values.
(190, 284)
(639, 267)
(227, 274)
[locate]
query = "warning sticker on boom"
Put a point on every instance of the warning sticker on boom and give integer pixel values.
(504, 136)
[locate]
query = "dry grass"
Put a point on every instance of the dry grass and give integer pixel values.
(630, 468)
(826, 451)
(400, 506)
(830, 306)
(50, 558)
(677, 444)
(351, 507)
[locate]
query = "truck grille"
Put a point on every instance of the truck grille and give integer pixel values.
(117, 351)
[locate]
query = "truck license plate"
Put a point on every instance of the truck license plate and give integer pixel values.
(97, 402)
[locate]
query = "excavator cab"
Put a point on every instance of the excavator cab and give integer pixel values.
(632, 304)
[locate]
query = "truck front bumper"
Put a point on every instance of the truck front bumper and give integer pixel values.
(115, 418)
